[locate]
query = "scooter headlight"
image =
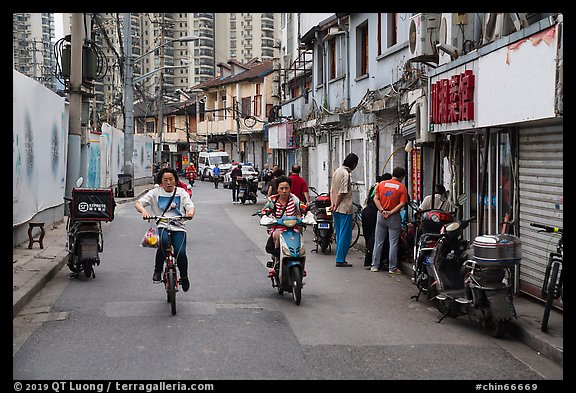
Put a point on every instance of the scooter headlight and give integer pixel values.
(286, 251)
(290, 223)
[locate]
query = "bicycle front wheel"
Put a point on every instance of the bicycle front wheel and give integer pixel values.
(172, 290)
(355, 233)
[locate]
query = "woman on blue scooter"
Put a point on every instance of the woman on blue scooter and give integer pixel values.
(283, 204)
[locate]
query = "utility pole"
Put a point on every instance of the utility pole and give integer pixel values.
(160, 101)
(238, 122)
(75, 125)
(128, 102)
(187, 134)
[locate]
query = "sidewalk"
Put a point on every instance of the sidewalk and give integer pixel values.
(33, 268)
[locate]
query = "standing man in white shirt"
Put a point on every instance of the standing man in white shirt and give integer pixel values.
(342, 207)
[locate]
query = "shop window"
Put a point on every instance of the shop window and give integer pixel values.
(491, 180)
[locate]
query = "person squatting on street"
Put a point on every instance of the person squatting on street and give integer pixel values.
(441, 200)
(176, 202)
(342, 207)
(369, 215)
(391, 196)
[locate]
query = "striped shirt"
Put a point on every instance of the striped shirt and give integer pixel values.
(291, 209)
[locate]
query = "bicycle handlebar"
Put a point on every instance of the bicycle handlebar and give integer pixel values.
(546, 228)
(167, 218)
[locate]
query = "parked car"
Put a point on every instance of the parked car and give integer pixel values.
(247, 170)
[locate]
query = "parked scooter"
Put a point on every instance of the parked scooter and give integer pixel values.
(478, 287)
(289, 260)
(88, 207)
(427, 227)
(248, 189)
(324, 227)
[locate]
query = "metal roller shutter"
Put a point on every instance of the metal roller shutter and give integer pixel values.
(541, 199)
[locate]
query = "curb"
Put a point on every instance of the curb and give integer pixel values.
(522, 331)
(27, 291)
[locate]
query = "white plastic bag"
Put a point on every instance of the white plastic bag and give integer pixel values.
(151, 238)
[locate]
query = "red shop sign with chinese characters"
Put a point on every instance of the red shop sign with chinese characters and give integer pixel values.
(452, 99)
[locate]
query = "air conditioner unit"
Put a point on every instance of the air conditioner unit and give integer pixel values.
(423, 37)
(422, 134)
(455, 29)
(496, 25)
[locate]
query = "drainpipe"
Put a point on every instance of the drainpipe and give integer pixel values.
(343, 27)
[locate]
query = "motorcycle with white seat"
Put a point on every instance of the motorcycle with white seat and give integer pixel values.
(289, 259)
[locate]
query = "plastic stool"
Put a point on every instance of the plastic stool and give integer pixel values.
(32, 225)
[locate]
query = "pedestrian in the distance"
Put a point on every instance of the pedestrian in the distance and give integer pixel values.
(265, 177)
(342, 207)
(391, 196)
(216, 175)
(299, 186)
(234, 175)
(273, 184)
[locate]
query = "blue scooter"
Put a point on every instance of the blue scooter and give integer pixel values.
(289, 260)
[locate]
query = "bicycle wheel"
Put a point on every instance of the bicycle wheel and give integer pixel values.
(355, 232)
(172, 290)
(550, 296)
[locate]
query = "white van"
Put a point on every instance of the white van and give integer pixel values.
(206, 161)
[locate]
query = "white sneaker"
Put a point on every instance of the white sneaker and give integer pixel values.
(375, 269)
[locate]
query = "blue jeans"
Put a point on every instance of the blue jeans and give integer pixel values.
(343, 231)
(179, 246)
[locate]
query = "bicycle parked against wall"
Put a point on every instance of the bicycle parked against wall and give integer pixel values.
(356, 224)
(170, 275)
(552, 287)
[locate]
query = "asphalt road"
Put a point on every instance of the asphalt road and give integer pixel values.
(232, 325)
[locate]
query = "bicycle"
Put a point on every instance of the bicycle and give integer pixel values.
(552, 287)
(170, 275)
(356, 224)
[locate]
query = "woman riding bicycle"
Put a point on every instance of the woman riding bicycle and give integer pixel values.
(171, 201)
